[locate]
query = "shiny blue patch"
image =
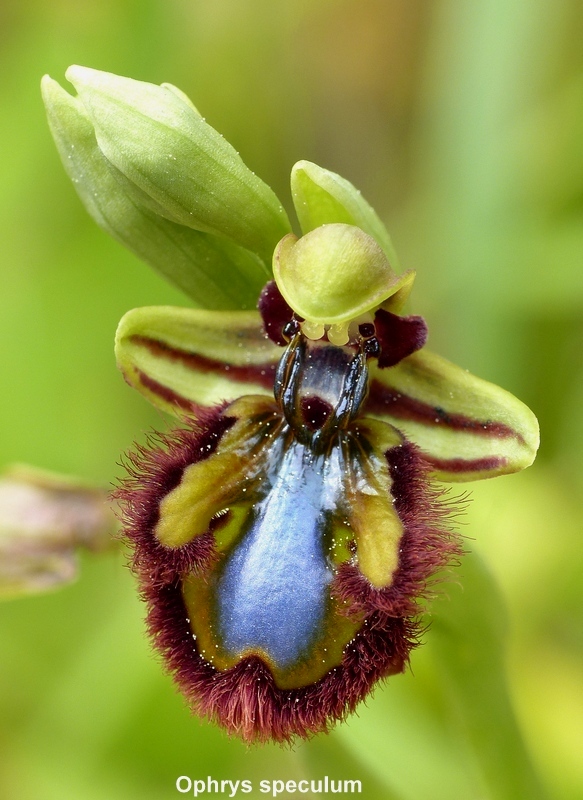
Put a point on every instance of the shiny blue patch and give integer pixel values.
(273, 591)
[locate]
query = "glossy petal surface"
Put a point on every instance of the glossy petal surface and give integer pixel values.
(466, 427)
(274, 587)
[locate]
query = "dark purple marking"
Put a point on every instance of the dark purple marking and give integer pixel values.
(290, 329)
(315, 411)
(261, 374)
(399, 337)
(169, 396)
(459, 465)
(383, 399)
(372, 347)
(275, 313)
(366, 330)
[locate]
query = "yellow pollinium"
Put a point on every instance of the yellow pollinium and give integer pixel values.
(333, 275)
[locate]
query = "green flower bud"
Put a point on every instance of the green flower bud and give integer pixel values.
(176, 164)
(213, 271)
(44, 519)
(332, 275)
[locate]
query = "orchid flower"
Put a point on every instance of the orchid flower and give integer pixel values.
(286, 534)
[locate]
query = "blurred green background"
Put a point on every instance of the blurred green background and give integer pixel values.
(462, 124)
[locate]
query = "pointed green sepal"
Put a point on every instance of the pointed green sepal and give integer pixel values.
(213, 271)
(467, 428)
(181, 359)
(321, 196)
(176, 163)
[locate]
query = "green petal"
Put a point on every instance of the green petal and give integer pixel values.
(214, 484)
(371, 511)
(183, 358)
(213, 271)
(321, 196)
(187, 171)
(466, 427)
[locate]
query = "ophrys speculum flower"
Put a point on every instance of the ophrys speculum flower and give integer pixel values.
(285, 534)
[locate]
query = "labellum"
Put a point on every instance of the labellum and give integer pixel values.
(285, 536)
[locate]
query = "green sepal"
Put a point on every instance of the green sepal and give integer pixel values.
(467, 428)
(211, 270)
(186, 170)
(321, 196)
(181, 358)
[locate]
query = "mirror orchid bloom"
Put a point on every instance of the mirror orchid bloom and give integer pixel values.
(287, 533)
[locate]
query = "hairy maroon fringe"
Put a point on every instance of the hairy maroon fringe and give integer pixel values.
(154, 469)
(427, 546)
(245, 700)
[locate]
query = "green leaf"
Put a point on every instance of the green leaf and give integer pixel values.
(328, 755)
(181, 359)
(212, 271)
(321, 197)
(467, 637)
(466, 427)
(181, 166)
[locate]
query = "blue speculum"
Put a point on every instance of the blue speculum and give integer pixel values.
(274, 589)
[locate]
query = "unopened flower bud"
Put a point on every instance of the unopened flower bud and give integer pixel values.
(44, 519)
(180, 166)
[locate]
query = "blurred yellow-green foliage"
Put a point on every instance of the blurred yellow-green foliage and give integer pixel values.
(462, 123)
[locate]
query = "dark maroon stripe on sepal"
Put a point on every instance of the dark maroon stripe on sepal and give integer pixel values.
(168, 395)
(383, 399)
(398, 337)
(462, 465)
(260, 374)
